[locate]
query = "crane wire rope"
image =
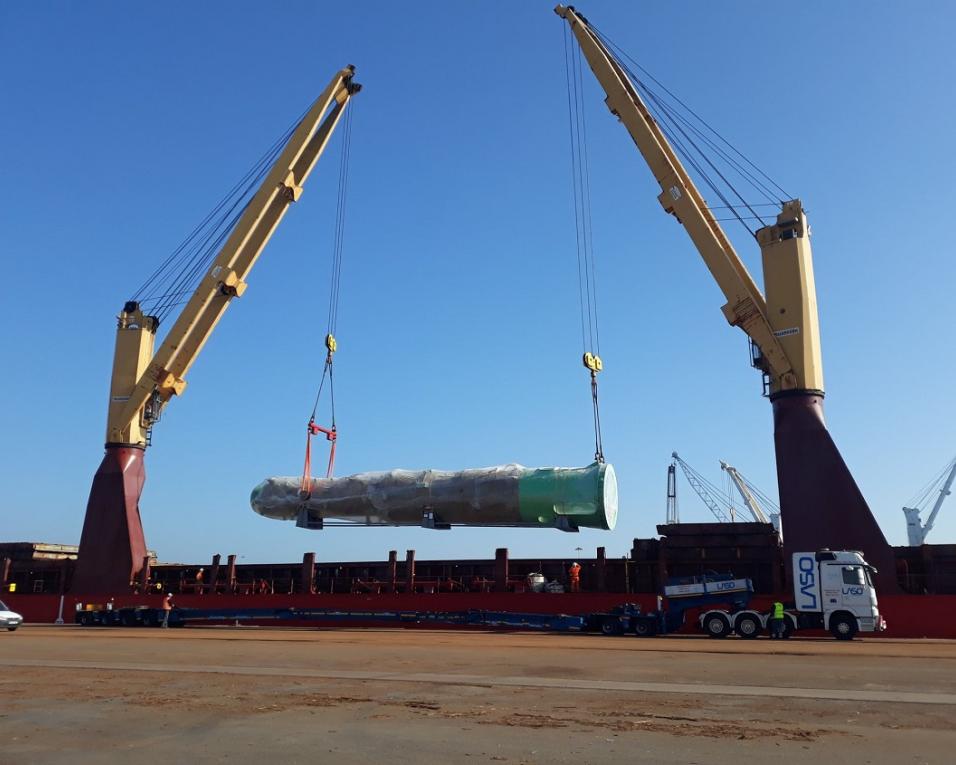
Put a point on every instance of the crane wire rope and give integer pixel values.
(331, 344)
(621, 53)
(178, 275)
(584, 237)
(762, 498)
(922, 497)
(729, 493)
(671, 119)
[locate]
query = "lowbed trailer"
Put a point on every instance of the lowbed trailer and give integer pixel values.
(146, 616)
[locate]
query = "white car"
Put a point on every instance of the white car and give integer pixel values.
(9, 619)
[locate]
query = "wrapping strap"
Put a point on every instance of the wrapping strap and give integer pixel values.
(331, 435)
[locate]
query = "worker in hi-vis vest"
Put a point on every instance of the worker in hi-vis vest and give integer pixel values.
(776, 621)
(167, 608)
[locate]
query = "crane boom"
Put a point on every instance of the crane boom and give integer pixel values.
(749, 499)
(112, 546)
(916, 530)
(133, 411)
(790, 358)
(827, 510)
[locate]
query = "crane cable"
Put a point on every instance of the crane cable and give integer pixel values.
(687, 131)
(331, 344)
(178, 276)
(584, 240)
(921, 499)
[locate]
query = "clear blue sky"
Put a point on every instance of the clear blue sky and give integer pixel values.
(122, 124)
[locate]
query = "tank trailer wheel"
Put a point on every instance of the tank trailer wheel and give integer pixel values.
(748, 626)
(717, 626)
(843, 627)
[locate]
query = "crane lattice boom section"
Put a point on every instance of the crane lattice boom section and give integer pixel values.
(709, 494)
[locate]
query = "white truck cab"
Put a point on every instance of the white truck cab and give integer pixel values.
(834, 589)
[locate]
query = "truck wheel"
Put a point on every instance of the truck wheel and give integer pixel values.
(788, 628)
(644, 628)
(843, 627)
(611, 626)
(717, 626)
(748, 626)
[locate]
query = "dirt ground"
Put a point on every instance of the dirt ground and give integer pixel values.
(88, 695)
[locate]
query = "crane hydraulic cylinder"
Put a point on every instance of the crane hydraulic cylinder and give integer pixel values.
(506, 495)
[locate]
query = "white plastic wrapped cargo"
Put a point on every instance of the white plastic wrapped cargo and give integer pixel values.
(505, 495)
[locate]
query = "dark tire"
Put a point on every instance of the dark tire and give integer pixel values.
(645, 628)
(611, 626)
(85, 619)
(748, 626)
(788, 628)
(12, 629)
(717, 626)
(843, 627)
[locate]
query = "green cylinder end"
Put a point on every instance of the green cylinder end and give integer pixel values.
(570, 497)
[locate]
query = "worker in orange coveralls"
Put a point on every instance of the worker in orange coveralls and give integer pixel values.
(574, 574)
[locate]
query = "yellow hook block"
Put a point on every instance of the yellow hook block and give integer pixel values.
(593, 362)
(331, 343)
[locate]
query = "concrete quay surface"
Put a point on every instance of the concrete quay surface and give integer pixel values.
(78, 695)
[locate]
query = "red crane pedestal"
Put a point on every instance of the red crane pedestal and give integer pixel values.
(820, 503)
(112, 546)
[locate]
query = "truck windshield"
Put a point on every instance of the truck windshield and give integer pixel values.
(853, 575)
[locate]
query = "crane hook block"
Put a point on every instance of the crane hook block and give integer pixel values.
(593, 362)
(331, 343)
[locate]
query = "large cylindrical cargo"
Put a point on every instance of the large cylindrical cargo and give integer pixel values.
(507, 495)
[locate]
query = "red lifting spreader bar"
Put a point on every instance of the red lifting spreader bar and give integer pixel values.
(330, 435)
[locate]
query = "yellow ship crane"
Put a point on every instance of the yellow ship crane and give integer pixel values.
(821, 505)
(112, 547)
